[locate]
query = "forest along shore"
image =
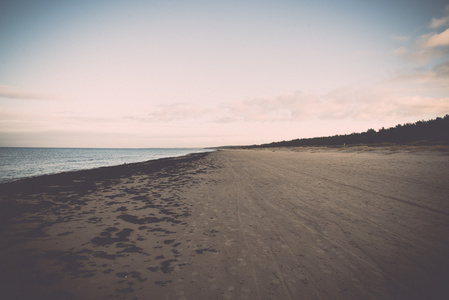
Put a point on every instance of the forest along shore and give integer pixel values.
(233, 224)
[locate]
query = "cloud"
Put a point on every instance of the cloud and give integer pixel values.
(401, 51)
(430, 46)
(439, 72)
(440, 22)
(379, 102)
(442, 70)
(400, 38)
(435, 40)
(418, 106)
(413, 94)
(289, 107)
(420, 94)
(426, 48)
(437, 23)
(14, 93)
(174, 112)
(16, 121)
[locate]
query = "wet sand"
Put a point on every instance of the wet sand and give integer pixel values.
(234, 224)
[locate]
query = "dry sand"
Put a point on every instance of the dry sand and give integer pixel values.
(234, 224)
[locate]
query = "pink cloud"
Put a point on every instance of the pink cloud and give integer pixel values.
(383, 101)
(436, 40)
(14, 93)
(401, 51)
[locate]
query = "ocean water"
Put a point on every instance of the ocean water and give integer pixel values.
(16, 163)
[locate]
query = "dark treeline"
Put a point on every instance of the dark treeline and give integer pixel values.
(431, 132)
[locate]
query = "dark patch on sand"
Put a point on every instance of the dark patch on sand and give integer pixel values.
(129, 248)
(122, 208)
(72, 262)
(166, 265)
(65, 233)
(135, 220)
(163, 283)
(106, 238)
(201, 251)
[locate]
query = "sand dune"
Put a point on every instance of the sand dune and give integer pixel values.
(234, 224)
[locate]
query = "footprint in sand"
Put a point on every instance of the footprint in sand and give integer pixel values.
(195, 276)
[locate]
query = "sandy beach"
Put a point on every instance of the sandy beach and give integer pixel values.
(233, 224)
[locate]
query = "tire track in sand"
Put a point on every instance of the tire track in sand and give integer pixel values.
(404, 237)
(242, 183)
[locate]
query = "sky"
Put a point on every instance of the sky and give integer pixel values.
(144, 74)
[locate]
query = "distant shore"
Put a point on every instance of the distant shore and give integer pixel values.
(361, 147)
(426, 133)
(275, 223)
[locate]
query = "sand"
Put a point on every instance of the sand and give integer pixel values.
(233, 224)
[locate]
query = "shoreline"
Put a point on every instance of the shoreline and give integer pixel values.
(437, 149)
(232, 224)
(100, 167)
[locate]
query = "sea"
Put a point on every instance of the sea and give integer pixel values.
(17, 163)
